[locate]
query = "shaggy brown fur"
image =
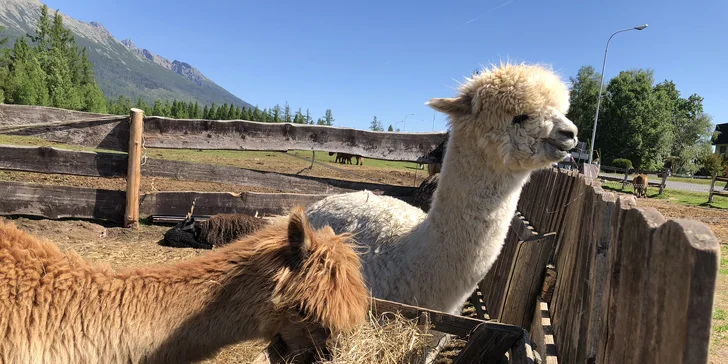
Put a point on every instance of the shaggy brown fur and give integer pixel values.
(218, 230)
(639, 185)
(422, 197)
(286, 280)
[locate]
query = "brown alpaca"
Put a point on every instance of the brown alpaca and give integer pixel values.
(285, 281)
(639, 185)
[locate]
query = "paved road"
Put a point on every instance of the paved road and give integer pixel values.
(683, 186)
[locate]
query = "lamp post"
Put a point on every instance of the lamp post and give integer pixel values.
(404, 122)
(601, 84)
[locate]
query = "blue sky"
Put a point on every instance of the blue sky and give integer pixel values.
(387, 58)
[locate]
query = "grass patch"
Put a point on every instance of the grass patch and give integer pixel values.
(719, 314)
(697, 181)
(721, 328)
(686, 198)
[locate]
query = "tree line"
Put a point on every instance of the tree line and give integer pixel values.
(192, 110)
(650, 124)
(48, 69)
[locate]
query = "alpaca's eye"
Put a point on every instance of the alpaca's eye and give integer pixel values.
(520, 118)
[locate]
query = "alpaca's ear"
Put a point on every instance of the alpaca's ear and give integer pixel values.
(299, 232)
(454, 106)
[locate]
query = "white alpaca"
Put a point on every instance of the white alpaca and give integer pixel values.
(506, 122)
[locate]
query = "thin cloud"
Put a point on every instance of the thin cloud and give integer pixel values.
(489, 11)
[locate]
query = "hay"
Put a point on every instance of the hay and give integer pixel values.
(388, 339)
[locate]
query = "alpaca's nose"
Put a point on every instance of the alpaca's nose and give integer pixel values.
(568, 134)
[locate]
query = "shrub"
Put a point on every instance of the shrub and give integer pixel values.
(713, 163)
(622, 163)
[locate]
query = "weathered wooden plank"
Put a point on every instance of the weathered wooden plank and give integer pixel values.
(53, 160)
(485, 347)
(251, 135)
(525, 280)
(549, 283)
(628, 328)
(248, 177)
(542, 334)
(28, 114)
(566, 262)
(494, 285)
(55, 202)
(109, 134)
(211, 203)
(451, 324)
(594, 330)
(522, 352)
(679, 292)
(82, 163)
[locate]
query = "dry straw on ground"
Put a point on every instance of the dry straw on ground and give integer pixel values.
(389, 338)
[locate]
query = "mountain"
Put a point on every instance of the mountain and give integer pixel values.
(121, 68)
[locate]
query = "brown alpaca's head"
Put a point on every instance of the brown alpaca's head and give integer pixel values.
(512, 117)
(322, 279)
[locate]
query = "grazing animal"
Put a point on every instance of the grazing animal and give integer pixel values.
(422, 197)
(345, 158)
(505, 123)
(639, 185)
(218, 230)
(285, 281)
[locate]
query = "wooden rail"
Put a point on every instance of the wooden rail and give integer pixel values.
(113, 134)
(100, 164)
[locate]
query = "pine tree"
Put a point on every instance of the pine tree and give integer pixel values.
(329, 118)
(309, 119)
(212, 112)
(167, 109)
(205, 113)
(376, 125)
(197, 113)
(61, 90)
(296, 119)
(141, 104)
(157, 108)
(191, 110)
(26, 83)
(287, 113)
(276, 114)
(256, 115)
(92, 95)
(390, 128)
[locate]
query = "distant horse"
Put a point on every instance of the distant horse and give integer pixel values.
(345, 158)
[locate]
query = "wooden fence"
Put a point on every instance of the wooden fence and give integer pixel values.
(591, 277)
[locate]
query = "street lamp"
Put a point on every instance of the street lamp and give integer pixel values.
(601, 84)
(404, 122)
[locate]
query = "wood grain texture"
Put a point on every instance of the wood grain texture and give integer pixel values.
(443, 322)
(251, 135)
(133, 174)
(29, 114)
(211, 203)
(56, 202)
(526, 280)
(542, 334)
(486, 346)
(53, 160)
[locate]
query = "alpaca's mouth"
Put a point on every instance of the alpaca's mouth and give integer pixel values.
(559, 146)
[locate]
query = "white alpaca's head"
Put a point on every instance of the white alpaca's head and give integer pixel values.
(513, 115)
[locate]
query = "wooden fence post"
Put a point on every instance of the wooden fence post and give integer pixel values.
(712, 186)
(133, 175)
(664, 181)
(626, 177)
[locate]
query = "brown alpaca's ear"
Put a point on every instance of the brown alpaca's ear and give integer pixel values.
(454, 106)
(299, 233)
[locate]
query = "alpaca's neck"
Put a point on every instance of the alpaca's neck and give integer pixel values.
(181, 311)
(469, 217)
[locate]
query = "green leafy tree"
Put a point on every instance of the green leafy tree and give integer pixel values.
(275, 114)
(390, 128)
(197, 112)
(205, 113)
(157, 108)
(26, 81)
(583, 100)
(141, 104)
